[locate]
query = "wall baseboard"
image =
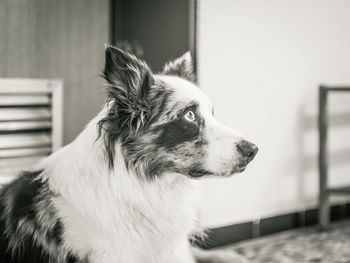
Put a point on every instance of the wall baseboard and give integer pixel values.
(227, 235)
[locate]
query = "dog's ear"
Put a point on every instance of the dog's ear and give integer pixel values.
(181, 67)
(129, 82)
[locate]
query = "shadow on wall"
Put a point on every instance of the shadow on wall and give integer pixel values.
(307, 149)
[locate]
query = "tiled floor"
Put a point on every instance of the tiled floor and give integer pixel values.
(305, 245)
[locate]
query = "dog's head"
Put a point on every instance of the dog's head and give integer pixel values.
(164, 123)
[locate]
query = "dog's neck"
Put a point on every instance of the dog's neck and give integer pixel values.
(117, 203)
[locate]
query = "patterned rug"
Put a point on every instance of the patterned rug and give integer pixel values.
(306, 245)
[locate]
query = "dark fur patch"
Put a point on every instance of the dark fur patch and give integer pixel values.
(55, 234)
(129, 82)
(176, 140)
(176, 132)
(23, 232)
(112, 129)
(180, 130)
(24, 190)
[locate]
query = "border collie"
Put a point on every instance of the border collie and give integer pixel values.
(126, 189)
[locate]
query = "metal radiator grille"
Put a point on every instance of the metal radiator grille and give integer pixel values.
(30, 123)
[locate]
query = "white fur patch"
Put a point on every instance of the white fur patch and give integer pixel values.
(186, 91)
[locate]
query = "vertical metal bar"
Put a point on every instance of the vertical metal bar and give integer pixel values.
(192, 32)
(323, 158)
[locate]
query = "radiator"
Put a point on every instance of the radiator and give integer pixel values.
(30, 123)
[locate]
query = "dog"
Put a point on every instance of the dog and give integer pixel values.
(126, 189)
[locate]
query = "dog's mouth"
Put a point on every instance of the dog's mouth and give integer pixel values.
(198, 173)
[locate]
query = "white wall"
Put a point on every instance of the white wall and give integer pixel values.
(261, 63)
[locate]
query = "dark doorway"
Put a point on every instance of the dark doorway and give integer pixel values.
(156, 30)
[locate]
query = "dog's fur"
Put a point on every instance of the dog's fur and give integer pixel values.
(125, 189)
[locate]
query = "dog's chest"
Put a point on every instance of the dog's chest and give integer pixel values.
(154, 228)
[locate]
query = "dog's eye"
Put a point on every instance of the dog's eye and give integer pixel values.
(190, 116)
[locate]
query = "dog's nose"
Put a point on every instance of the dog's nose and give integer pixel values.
(247, 149)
